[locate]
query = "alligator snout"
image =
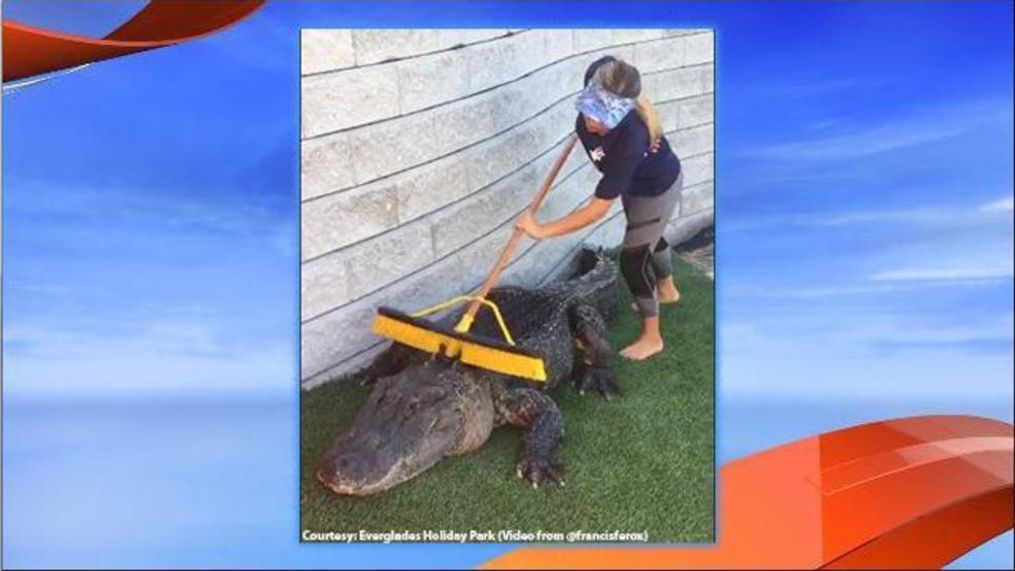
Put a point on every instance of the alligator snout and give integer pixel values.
(344, 473)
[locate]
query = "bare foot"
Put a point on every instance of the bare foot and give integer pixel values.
(668, 292)
(669, 298)
(643, 348)
(666, 297)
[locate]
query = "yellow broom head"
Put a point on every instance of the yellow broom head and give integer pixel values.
(474, 350)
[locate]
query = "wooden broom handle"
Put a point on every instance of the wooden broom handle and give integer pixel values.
(509, 249)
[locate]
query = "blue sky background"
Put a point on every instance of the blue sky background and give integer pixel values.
(864, 197)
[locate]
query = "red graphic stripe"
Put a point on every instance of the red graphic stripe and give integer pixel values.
(912, 492)
(29, 51)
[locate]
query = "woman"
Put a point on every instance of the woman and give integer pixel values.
(622, 136)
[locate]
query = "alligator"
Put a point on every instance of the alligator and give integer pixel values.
(423, 409)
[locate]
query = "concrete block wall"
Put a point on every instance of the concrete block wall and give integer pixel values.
(419, 148)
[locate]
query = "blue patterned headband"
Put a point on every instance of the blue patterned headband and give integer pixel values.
(605, 107)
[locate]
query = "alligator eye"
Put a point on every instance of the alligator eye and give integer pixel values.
(437, 424)
(411, 407)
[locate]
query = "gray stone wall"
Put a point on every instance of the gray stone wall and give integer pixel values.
(419, 148)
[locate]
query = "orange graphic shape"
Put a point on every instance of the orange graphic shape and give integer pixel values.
(29, 51)
(907, 493)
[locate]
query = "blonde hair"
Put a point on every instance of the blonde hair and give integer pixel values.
(622, 78)
(647, 112)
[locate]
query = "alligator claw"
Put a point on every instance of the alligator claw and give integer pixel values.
(599, 379)
(538, 472)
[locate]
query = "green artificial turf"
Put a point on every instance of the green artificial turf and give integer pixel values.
(644, 462)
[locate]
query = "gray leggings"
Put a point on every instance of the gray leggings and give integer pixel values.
(645, 257)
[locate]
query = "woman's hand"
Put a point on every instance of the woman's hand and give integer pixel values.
(528, 223)
(594, 210)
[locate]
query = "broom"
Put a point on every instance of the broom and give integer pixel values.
(490, 354)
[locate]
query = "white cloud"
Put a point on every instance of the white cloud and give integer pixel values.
(812, 87)
(836, 356)
(865, 288)
(167, 355)
(998, 330)
(920, 127)
(158, 209)
(977, 273)
(874, 141)
(992, 212)
(1001, 205)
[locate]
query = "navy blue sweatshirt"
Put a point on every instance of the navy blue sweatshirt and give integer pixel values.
(623, 156)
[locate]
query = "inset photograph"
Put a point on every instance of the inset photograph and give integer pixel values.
(507, 285)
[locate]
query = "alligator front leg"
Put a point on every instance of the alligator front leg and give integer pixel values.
(595, 371)
(544, 429)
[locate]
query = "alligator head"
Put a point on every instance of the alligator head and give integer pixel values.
(409, 422)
